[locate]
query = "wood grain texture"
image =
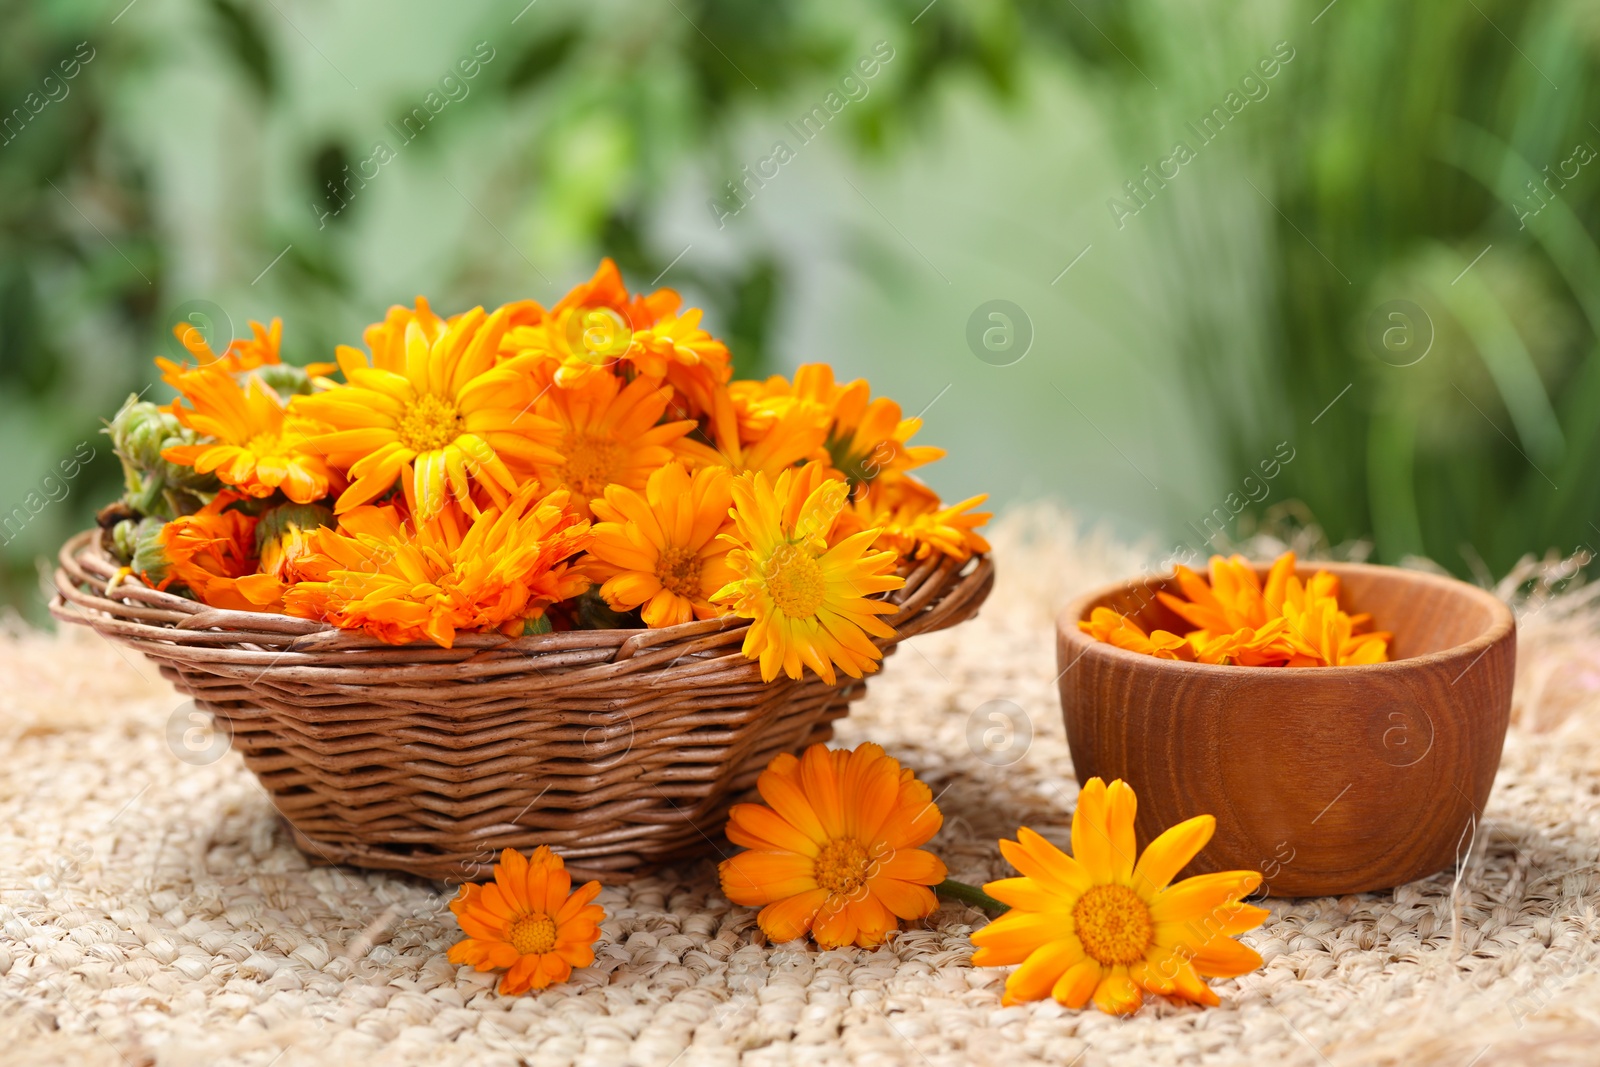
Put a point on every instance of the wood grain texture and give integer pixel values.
(620, 749)
(1328, 780)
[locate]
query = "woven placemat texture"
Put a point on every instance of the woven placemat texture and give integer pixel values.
(153, 911)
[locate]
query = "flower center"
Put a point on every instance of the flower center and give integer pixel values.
(796, 582)
(592, 463)
(533, 935)
(264, 444)
(429, 423)
(1113, 924)
(842, 866)
(679, 570)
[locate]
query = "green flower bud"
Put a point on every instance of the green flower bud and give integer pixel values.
(138, 545)
(285, 379)
(139, 433)
(275, 522)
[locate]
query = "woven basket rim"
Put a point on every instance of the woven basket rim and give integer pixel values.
(263, 644)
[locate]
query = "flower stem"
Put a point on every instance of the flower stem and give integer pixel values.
(951, 889)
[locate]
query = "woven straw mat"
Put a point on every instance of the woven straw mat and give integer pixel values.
(154, 912)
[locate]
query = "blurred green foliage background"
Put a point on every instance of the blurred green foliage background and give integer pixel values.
(1378, 259)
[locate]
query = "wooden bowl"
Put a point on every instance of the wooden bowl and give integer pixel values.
(1328, 780)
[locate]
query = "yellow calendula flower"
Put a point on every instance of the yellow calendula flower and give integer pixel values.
(834, 850)
(450, 420)
(809, 599)
(661, 549)
(1096, 924)
(592, 328)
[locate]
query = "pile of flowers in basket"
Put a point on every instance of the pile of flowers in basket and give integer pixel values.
(527, 469)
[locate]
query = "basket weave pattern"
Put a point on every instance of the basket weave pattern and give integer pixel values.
(621, 749)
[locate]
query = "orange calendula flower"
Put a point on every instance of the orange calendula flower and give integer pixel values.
(1117, 629)
(834, 850)
(404, 581)
(449, 421)
(865, 437)
(1312, 612)
(591, 328)
(528, 922)
(913, 521)
(607, 433)
(809, 599)
(1097, 925)
(661, 549)
(752, 437)
(213, 553)
(257, 354)
(386, 340)
(256, 446)
(694, 363)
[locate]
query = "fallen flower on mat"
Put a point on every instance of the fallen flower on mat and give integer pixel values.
(1235, 619)
(527, 922)
(1095, 924)
(833, 851)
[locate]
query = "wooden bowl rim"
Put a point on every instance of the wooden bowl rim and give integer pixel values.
(1502, 623)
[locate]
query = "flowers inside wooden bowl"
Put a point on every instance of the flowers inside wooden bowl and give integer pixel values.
(1328, 780)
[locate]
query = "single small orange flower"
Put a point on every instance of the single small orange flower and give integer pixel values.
(866, 437)
(1114, 628)
(528, 922)
(410, 580)
(213, 554)
(256, 355)
(607, 433)
(1096, 924)
(591, 329)
(834, 850)
(256, 446)
(694, 363)
(661, 549)
(752, 437)
(913, 520)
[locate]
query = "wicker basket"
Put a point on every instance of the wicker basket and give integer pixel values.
(621, 749)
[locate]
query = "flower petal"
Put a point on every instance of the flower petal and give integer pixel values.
(1041, 971)
(1168, 854)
